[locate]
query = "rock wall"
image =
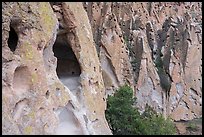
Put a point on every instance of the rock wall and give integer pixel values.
(60, 60)
(35, 99)
(156, 47)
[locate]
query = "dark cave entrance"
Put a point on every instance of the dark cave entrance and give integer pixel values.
(68, 71)
(68, 68)
(13, 39)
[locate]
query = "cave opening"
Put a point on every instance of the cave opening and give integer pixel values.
(68, 68)
(68, 71)
(13, 39)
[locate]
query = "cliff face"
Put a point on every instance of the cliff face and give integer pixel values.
(154, 47)
(52, 80)
(61, 60)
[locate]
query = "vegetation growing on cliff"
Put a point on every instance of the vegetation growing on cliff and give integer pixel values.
(124, 119)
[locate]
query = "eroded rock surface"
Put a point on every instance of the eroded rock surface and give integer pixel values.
(61, 60)
(52, 79)
(162, 41)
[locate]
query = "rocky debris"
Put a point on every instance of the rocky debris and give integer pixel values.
(163, 44)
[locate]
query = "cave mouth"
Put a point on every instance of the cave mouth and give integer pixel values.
(13, 39)
(68, 68)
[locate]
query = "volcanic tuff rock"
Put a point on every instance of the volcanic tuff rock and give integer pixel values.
(35, 99)
(162, 41)
(60, 60)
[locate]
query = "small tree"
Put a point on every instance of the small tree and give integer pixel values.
(155, 124)
(192, 127)
(124, 119)
(120, 114)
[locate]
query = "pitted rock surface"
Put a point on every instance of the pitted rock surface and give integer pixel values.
(61, 60)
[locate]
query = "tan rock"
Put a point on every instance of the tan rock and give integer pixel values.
(36, 99)
(61, 60)
(164, 35)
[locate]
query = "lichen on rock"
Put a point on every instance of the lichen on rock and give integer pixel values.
(60, 60)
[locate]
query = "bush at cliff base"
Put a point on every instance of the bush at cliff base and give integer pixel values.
(124, 119)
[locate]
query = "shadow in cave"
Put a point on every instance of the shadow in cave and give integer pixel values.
(13, 39)
(68, 68)
(68, 71)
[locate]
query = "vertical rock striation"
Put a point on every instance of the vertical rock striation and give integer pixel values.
(163, 45)
(61, 60)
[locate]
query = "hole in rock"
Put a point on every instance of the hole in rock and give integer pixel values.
(19, 108)
(47, 94)
(12, 40)
(21, 80)
(68, 68)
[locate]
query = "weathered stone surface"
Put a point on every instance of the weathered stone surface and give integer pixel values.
(163, 42)
(91, 79)
(35, 99)
(60, 60)
(110, 44)
(23, 70)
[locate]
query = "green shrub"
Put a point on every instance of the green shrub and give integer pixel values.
(156, 124)
(159, 63)
(164, 78)
(124, 119)
(192, 127)
(119, 111)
